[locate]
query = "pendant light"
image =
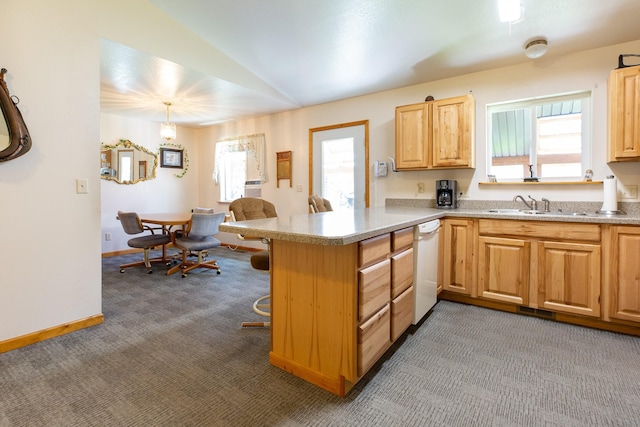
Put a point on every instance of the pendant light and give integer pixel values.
(168, 129)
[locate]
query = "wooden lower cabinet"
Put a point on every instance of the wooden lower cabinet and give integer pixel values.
(523, 263)
(581, 273)
(569, 277)
(374, 338)
(503, 269)
(624, 276)
(457, 255)
(335, 310)
(402, 308)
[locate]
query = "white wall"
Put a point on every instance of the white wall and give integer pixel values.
(50, 242)
(588, 70)
(50, 251)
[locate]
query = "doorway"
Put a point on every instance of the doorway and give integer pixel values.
(338, 164)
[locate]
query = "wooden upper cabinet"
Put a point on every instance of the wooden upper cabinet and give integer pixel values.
(624, 115)
(413, 127)
(453, 136)
(436, 134)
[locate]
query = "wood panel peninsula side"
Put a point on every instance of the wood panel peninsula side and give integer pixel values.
(333, 311)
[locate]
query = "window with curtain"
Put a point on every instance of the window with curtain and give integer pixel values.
(552, 134)
(236, 161)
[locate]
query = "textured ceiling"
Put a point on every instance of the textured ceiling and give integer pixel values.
(316, 51)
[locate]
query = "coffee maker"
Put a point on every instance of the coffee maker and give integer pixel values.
(446, 194)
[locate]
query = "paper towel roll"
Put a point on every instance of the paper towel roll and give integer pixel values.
(610, 197)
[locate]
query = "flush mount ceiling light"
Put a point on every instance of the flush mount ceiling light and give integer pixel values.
(536, 48)
(510, 11)
(168, 129)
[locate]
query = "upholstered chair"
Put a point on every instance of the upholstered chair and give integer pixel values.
(249, 208)
(198, 239)
(319, 204)
(132, 225)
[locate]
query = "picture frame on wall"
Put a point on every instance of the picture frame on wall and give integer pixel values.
(171, 158)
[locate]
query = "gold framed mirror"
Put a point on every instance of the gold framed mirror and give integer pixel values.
(127, 163)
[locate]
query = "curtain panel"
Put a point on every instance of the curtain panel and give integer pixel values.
(253, 145)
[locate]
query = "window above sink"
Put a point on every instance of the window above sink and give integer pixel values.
(549, 137)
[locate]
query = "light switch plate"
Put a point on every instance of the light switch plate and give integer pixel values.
(82, 186)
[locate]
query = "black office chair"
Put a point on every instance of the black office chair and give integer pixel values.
(198, 239)
(248, 208)
(132, 225)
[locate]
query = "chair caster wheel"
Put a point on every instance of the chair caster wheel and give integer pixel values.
(184, 275)
(218, 272)
(122, 270)
(150, 271)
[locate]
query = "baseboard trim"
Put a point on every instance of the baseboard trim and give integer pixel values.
(45, 334)
(573, 319)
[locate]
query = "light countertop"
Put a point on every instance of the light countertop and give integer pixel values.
(334, 228)
(349, 226)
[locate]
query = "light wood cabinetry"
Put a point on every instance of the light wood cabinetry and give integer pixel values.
(623, 293)
(624, 115)
(436, 134)
(335, 310)
(374, 302)
(402, 299)
(569, 277)
(503, 269)
(552, 266)
(413, 128)
(457, 261)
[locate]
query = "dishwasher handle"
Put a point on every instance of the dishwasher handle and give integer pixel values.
(428, 228)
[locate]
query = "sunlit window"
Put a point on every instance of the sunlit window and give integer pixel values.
(338, 171)
(238, 160)
(233, 174)
(549, 136)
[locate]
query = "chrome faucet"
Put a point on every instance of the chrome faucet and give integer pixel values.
(547, 205)
(533, 205)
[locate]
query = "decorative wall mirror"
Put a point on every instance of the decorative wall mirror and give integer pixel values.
(127, 163)
(14, 135)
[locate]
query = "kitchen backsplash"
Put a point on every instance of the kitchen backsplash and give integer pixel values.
(589, 207)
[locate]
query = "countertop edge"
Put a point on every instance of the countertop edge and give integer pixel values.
(417, 216)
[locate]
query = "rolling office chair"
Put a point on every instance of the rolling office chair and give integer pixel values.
(248, 208)
(132, 225)
(319, 204)
(198, 239)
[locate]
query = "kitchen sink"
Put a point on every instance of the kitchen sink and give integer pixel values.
(516, 211)
(533, 212)
(503, 211)
(570, 213)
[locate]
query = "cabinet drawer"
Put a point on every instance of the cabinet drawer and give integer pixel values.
(373, 339)
(549, 230)
(402, 239)
(373, 288)
(373, 250)
(401, 313)
(401, 272)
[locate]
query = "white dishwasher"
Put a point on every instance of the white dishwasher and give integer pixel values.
(425, 273)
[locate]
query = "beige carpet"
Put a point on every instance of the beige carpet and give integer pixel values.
(171, 353)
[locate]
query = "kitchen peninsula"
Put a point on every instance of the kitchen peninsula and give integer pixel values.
(338, 303)
(333, 311)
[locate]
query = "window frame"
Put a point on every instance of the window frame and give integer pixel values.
(586, 129)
